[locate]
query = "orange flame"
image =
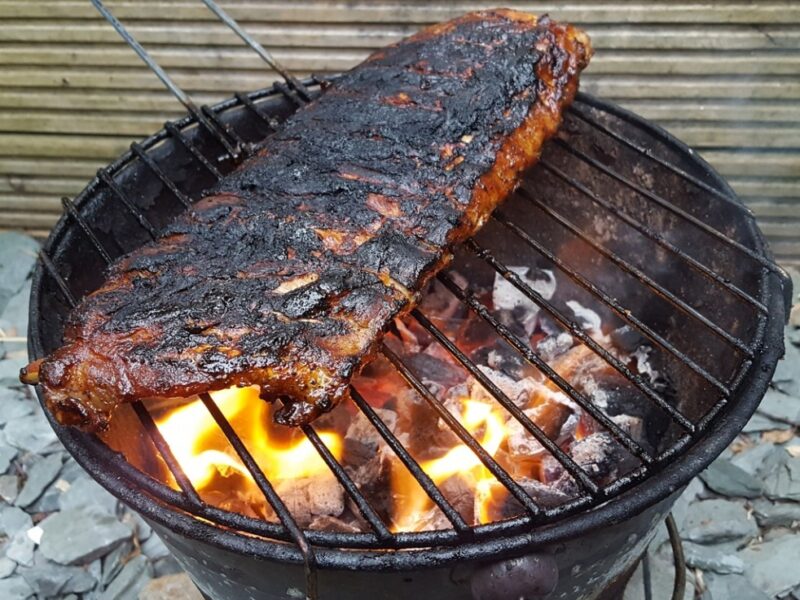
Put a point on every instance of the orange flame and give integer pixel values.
(411, 502)
(203, 453)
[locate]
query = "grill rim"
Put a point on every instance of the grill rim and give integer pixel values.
(747, 388)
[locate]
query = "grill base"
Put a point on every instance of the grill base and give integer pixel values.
(591, 566)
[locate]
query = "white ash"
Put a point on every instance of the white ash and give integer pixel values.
(519, 391)
(591, 321)
(505, 296)
(555, 345)
(633, 426)
(643, 365)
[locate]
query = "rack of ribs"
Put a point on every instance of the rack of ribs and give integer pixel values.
(289, 271)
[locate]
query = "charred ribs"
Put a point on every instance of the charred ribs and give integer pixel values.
(288, 272)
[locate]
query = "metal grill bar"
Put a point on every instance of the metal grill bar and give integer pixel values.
(104, 176)
(652, 235)
(620, 310)
(456, 427)
(580, 112)
(537, 361)
(611, 360)
(663, 202)
(166, 453)
(270, 495)
(422, 478)
(151, 164)
(562, 457)
(60, 283)
(349, 485)
(246, 101)
(636, 272)
(70, 208)
(184, 99)
(201, 158)
(258, 48)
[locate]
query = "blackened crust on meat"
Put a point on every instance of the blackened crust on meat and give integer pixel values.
(288, 273)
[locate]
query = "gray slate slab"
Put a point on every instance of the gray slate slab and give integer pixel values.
(48, 579)
(130, 581)
(732, 587)
(14, 404)
(776, 514)
(783, 481)
(711, 558)
(80, 535)
(727, 479)
(759, 422)
(85, 492)
(773, 565)
(9, 488)
(31, 433)
(750, 460)
(787, 375)
(780, 406)
(18, 254)
(712, 521)
(7, 567)
(15, 588)
(41, 474)
(7, 454)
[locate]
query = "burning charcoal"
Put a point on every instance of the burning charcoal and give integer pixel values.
(496, 503)
(626, 339)
(440, 302)
(411, 343)
(502, 358)
(589, 319)
(596, 454)
(431, 369)
(373, 480)
(518, 391)
(309, 497)
(334, 524)
(460, 494)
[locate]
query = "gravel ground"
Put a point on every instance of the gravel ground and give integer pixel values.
(63, 536)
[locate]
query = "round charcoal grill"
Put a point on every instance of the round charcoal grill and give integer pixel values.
(629, 216)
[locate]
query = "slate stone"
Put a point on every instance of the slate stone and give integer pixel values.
(781, 407)
(20, 548)
(773, 565)
(680, 510)
(130, 581)
(141, 529)
(712, 521)
(662, 576)
(114, 561)
(776, 514)
(14, 319)
(18, 254)
(783, 481)
(727, 479)
(750, 460)
(7, 567)
(787, 374)
(9, 488)
(7, 454)
(759, 422)
(154, 548)
(171, 587)
(85, 492)
(166, 566)
(49, 501)
(14, 404)
(31, 433)
(10, 366)
(709, 558)
(13, 519)
(80, 535)
(15, 588)
(732, 587)
(41, 474)
(48, 579)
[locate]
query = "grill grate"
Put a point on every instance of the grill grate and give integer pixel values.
(187, 499)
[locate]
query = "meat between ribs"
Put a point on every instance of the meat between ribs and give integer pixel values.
(288, 272)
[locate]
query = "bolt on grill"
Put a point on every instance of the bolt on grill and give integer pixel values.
(566, 167)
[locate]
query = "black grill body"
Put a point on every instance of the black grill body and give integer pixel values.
(652, 232)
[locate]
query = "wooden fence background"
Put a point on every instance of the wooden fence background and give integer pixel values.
(724, 76)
